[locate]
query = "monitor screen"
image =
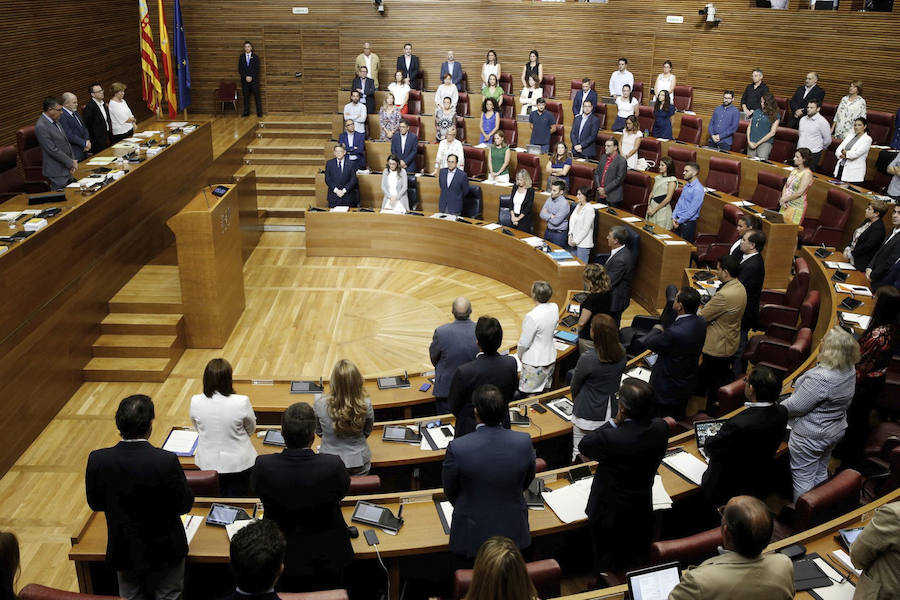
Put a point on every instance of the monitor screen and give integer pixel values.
(367, 512)
(654, 583)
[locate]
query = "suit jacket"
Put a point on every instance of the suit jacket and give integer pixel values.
(99, 125)
(729, 576)
(723, 314)
(341, 179)
(742, 454)
(455, 77)
(588, 137)
(356, 147)
(407, 154)
(452, 345)
(884, 260)
(76, 132)
(497, 369)
(225, 424)
(301, 491)
(412, 72)
(752, 275)
(367, 85)
(678, 347)
(58, 158)
(451, 198)
(579, 100)
(527, 223)
(402, 188)
(614, 179)
(867, 245)
(628, 457)
(376, 66)
(620, 268)
(798, 101)
(143, 491)
(251, 70)
(484, 475)
(877, 552)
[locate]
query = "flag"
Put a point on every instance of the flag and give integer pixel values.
(150, 87)
(167, 61)
(181, 61)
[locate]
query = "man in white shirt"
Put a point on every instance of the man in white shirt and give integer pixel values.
(356, 112)
(815, 133)
(370, 61)
(619, 78)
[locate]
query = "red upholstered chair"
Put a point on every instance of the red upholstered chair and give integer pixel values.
(638, 91)
(532, 165)
(690, 550)
(835, 497)
(323, 595)
(601, 140)
(881, 126)
(882, 451)
(203, 483)
(724, 175)
(11, 181)
(33, 591)
(730, 397)
(544, 574)
(462, 105)
(510, 131)
(681, 156)
(645, 117)
(548, 83)
(635, 192)
(475, 162)
(828, 227)
(419, 82)
(784, 144)
(508, 108)
(461, 129)
(808, 317)
(600, 112)
(712, 246)
(683, 97)
(768, 189)
(784, 357)
(889, 400)
(415, 124)
(581, 175)
(828, 110)
(558, 136)
(739, 139)
(782, 108)
(690, 130)
(506, 82)
(575, 87)
(364, 484)
(414, 103)
(650, 149)
(784, 307)
(225, 93)
(30, 154)
(464, 82)
(420, 159)
(557, 109)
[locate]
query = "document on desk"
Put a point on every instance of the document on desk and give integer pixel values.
(844, 559)
(638, 373)
(492, 226)
(562, 408)
(840, 588)
(445, 514)
(569, 502)
(435, 438)
(685, 464)
(742, 203)
(569, 263)
(233, 528)
(661, 498)
(340, 209)
(533, 241)
(191, 525)
(836, 264)
(862, 321)
(859, 290)
(182, 442)
(100, 161)
(631, 219)
(662, 236)
(675, 243)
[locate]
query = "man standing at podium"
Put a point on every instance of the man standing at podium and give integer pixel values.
(340, 179)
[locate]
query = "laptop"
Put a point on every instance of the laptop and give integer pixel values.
(773, 216)
(653, 582)
(703, 430)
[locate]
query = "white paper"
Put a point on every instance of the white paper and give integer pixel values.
(10, 216)
(688, 465)
(570, 263)
(662, 236)
(533, 241)
(74, 184)
(859, 290)
(836, 591)
(440, 440)
(340, 209)
(191, 525)
(562, 407)
(132, 140)
(675, 243)
(492, 226)
(844, 559)
(598, 205)
(834, 264)
(181, 441)
(101, 160)
(575, 309)
(655, 585)
(742, 203)
(561, 346)
(569, 502)
(638, 373)
(709, 189)
(447, 509)
(631, 219)
(861, 320)
(174, 124)
(233, 528)
(661, 498)
(481, 145)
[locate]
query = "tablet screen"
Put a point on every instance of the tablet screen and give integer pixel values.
(653, 584)
(849, 535)
(274, 438)
(394, 432)
(223, 514)
(367, 512)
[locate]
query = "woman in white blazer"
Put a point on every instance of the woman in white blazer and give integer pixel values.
(581, 225)
(536, 350)
(394, 186)
(225, 422)
(852, 153)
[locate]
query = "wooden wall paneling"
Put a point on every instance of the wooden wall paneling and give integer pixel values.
(320, 79)
(282, 60)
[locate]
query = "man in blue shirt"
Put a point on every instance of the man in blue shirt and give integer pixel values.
(556, 213)
(687, 211)
(724, 123)
(543, 123)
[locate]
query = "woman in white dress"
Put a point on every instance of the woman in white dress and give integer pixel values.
(529, 95)
(446, 90)
(536, 350)
(664, 81)
(394, 186)
(119, 114)
(490, 67)
(581, 225)
(631, 140)
(400, 89)
(851, 107)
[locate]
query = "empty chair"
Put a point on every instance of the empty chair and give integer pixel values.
(472, 203)
(464, 82)
(724, 175)
(784, 144)
(690, 130)
(637, 91)
(30, 154)
(690, 550)
(508, 108)
(730, 397)
(557, 109)
(575, 87)
(645, 117)
(782, 108)
(11, 181)
(739, 139)
(506, 84)
(415, 124)
(683, 97)
(420, 163)
(835, 497)
(600, 112)
(34, 591)
(540, 465)
(784, 357)
(784, 307)
(581, 175)
(461, 129)
(681, 156)
(881, 126)
(636, 192)
(225, 93)
(602, 138)
(828, 227)
(474, 162)
(548, 83)
(418, 83)
(808, 317)
(828, 109)
(532, 165)
(203, 483)
(558, 136)
(365, 484)
(414, 103)
(768, 189)
(650, 150)
(462, 105)
(882, 452)
(544, 574)
(510, 131)
(712, 246)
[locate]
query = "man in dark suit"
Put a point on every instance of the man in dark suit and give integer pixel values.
(404, 145)
(96, 117)
(355, 144)
(408, 64)
(584, 132)
(340, 179)
(454, 69)
(454, 184)
(678, 349)
(487, 367)
(256, 560)
(143, 492)
(365, 85)
(620, 268)
(803, 96)
(610, 174)
(742, 455)
(628, 451)
(58, 162)
(752, 275)
(301, 491)
(484, 475)
(452, 345)
(248, 68)
(887, 255)
(73, 126)
(584, 94)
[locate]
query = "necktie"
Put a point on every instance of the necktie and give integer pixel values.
(341, 166)
(248, 60)
(583, 121)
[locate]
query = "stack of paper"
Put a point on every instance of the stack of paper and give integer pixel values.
(687, 465)
(35, 224)
(99, 161)
(533, 241)
(191, 525)
(838, 589)
(182, 442)
(861, 321)
(859, 290)
(834, 264)
(10, 216)
(661, 498)
(569, 502)
(233, 528)
(631, 219)
(492, 226)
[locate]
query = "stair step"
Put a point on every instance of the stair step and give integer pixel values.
(149, 307)
(281, 189)
(283, 159)
(138, 346)
(307, 134)
(128, 369)
(141, 324)
(311, 125)
(286, 146)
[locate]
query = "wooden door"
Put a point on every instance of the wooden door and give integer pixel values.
(321, 75)
(313, 51)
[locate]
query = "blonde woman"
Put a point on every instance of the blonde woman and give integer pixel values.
(536, 349)
(344, 418)
(120, 115)
(500, 573)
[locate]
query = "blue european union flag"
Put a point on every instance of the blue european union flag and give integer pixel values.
(181, 61)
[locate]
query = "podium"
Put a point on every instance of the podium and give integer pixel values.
(208, 240)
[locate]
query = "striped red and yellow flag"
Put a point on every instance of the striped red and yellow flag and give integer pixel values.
(151, 90)
(166, 52)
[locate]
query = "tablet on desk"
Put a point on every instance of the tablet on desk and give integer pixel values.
(653, 583)
(401, 433)
(377, 516)
(274, 437)
(223, 514)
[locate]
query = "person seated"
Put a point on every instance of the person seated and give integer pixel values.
(256, 560)
(490, 67)
(809, 92)
(867, 238)
(724, 123)
(853, 152)
(449, 145)
(620, 78)
(400, 88)
(365, 85)
(610, 174)
(446, 90)
(356, 112)
(583, 95)
(663, 110)
(499, 566)
(499, 155)
(522, 197)
(543, 124)
(388, 117)
(666, 80)
(490, 121)
(394, 186)
(529, 96)
(556, 213)
(743, 571)
(452, 68)
(454, 185)
(405, 145)
(687, 210)
(626, 106)
(355, 144)
(558, 165)
(344, 418)
(793, 196)
(631, 141)
(533, 68)
(584, 132)
(340, 179)
(493, 90)
(445, 119)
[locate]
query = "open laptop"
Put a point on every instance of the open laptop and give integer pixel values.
(653, 583)
(703, 430)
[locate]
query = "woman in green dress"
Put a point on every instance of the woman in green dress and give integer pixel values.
(498, 166)
(793, 196)
(659, 211)
(493, 90)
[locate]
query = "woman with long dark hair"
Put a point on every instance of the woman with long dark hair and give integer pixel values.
(663, 109)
